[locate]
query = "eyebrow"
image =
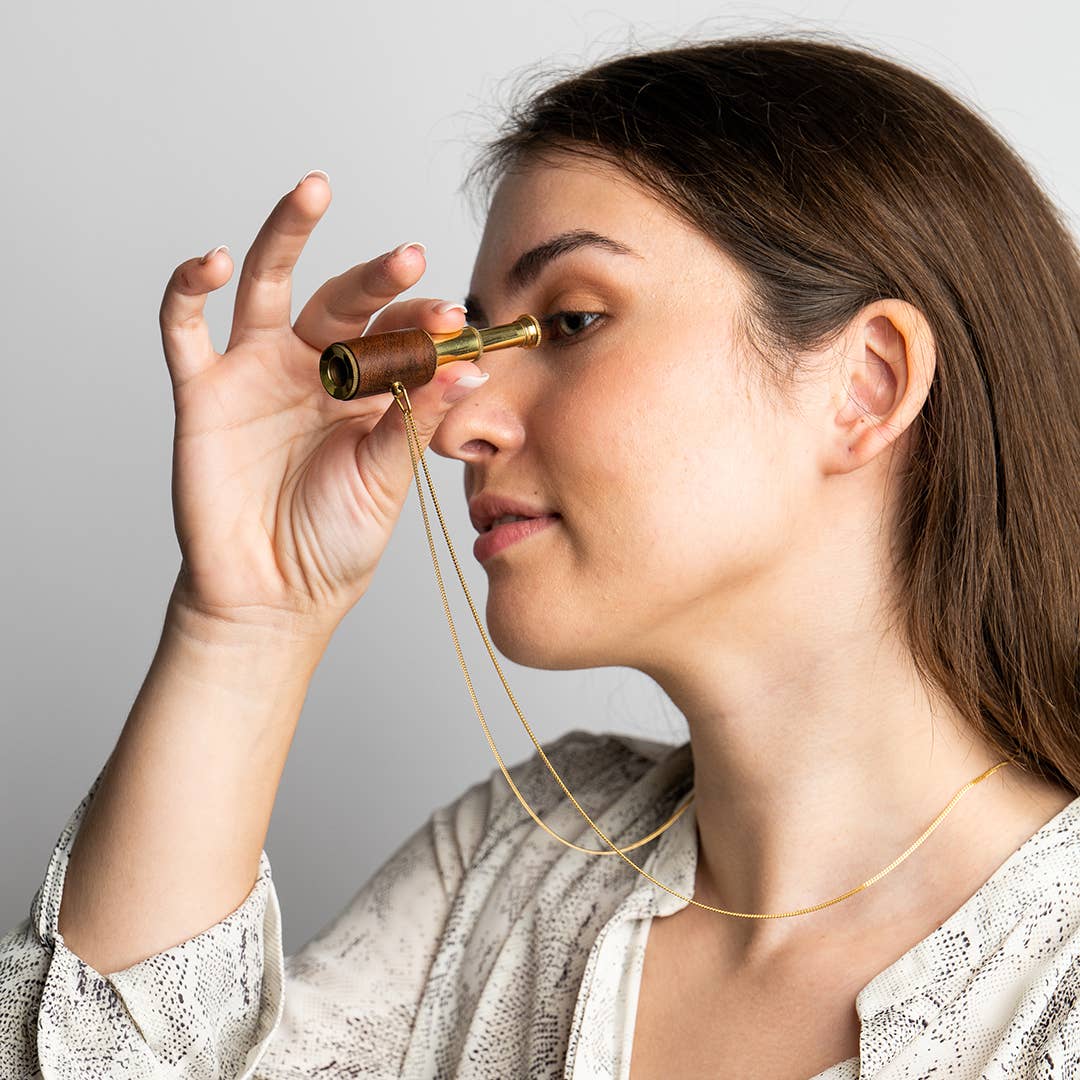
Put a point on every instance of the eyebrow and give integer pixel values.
(529, 265)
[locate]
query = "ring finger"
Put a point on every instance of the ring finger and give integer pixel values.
(342, 307)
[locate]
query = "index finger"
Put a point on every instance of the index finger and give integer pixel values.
(184, 333)
(264, 289)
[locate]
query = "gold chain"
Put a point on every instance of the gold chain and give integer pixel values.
(416, 452)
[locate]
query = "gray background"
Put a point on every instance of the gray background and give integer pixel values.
(139, 135)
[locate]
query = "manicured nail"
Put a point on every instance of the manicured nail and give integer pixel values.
(401, 247)
(210, 254)
(313, 172)
(447, 306)
(465, 385)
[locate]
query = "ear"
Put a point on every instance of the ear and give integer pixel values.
(884, 366)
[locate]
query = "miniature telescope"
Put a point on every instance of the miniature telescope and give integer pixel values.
(368, 365)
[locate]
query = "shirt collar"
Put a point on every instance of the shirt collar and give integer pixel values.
(673, 859)
(904, 997)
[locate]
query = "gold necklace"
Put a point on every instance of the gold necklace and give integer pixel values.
(401, 396)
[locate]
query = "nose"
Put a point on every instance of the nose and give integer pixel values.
(486, 422)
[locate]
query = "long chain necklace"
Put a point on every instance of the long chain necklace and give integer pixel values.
(416, 453)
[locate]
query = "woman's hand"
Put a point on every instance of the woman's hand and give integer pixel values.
(284, 498)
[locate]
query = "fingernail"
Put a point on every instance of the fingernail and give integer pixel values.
(313, 172)
(465, 385)
(210, 254)
(447, 306)
(401, 247)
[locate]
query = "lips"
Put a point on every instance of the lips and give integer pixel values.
(496, 539)
(487, 507)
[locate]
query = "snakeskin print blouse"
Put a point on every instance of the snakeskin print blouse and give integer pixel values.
(484, 948)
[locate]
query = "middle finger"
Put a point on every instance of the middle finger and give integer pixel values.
(264, 289)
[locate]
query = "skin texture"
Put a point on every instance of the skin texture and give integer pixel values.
(732, 546)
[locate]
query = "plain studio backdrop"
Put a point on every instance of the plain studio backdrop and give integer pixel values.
(139, 135)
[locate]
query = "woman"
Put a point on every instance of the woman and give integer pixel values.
(804, 440)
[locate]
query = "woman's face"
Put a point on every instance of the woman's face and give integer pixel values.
(680, 486)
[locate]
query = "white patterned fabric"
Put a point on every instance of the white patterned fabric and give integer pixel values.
(484, 949)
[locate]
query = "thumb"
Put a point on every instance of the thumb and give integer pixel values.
(383, 454)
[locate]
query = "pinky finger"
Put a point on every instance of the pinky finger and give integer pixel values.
(184, 334)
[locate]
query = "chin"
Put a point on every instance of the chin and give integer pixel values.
(535, 633)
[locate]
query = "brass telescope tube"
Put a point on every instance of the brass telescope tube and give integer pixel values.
(364, 366)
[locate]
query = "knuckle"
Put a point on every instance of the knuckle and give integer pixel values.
(181, 281)
(381, 278)
(176, 317)
(348, 309)
(177, 328)
(191, 321)
(274, 274)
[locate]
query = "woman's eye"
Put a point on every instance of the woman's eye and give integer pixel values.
(563, 325)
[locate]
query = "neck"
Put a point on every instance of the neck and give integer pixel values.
(819, 757)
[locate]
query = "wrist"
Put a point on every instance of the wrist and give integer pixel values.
(271, 651)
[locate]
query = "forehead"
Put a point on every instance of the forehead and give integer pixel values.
(540, 199)
(542, 192)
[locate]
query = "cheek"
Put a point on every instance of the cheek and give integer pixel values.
(669, 490)
(604, 451)
(617, 470)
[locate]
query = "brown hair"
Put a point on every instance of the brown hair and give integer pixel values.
(834, 177)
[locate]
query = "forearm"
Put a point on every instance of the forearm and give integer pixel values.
(171, 840)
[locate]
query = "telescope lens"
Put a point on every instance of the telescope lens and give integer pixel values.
(338, 372)
(337, 369)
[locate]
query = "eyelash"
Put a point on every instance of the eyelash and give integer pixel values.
(561, 341)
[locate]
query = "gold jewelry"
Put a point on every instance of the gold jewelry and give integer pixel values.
(401, 396)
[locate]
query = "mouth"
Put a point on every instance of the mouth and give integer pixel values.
(507, 530)
(507, 519)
